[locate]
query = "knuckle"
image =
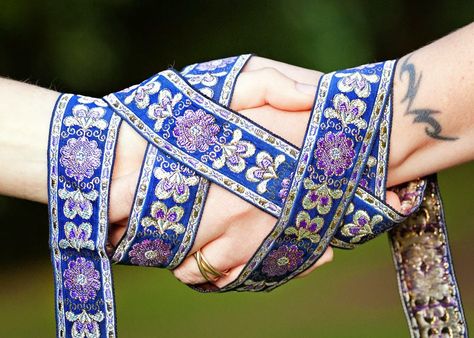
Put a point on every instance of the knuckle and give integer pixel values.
(270, 73)
(184, 276)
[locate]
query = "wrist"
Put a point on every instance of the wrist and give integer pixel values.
(25, 112)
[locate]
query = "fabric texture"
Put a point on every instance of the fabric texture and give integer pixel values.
(329, 192)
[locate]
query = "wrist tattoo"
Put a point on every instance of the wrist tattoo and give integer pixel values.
(424, 115)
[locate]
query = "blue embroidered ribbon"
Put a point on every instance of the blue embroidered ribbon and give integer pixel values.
(81, 152)
(332, 191)
(170, 196)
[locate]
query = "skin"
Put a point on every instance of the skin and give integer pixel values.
(433, 129)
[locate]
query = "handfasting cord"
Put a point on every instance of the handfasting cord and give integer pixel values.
(331, 191)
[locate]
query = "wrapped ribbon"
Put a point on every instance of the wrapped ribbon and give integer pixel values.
(331, 191)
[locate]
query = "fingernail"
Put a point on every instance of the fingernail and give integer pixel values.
(305, 88)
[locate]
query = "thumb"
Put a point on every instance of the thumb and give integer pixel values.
(269, 86)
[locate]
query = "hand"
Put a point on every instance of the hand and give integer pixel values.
(267, 93)
(231, 230)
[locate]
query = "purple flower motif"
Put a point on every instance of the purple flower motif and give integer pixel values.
(163, 109)
(150, 253)
(362, 225)
(214, 64)
(141, 95)
(85, 325)
(80, 157)
(77, 202)
(265, 170)
(319, 196)
(234, 153)
(196, 130)
(306, 227)
(334, 153)
(81, 279)
(174, 183)
(347, 111)
(285, 188)
(357, 82)
(164, 219)
(77, 237)
(282, 260)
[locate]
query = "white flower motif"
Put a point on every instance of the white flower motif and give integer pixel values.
(163, 109)
(85, 324)
(208, 80)
(174, 184)
(265, 170)
(77, 237)
(77, 202)
(86, 117)
(234, 152)
(357, 82)
(361, 225)
(163, 219)
(94, 100)
(141, 95)
(215, 64)
(347, 111)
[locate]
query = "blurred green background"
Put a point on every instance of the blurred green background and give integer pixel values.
(94, 47)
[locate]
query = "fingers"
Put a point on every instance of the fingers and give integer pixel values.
(298, 74)
(269, 86)
(122, 192)
(216, 218)
(393, 200)
(232, 249)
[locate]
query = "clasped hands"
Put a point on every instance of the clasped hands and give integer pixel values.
(275, 95)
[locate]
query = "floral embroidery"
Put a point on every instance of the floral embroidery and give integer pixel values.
(164, 108)
(319, 196)
(250, 285)
(334, 153)
(150, 253)
(357, 82)
(174, 184)
(80, 157)
(306, 227)
(196, 130)
(85, 325)
(86, 117)
(234, 152)
(141, 95)
(77, 203)
(94, 100)
(285, 188)
(206, 79)
(265, 170)
(163, 219)
(77, 237)
(282, 260)
(362, 225)
(347, 111)
(81, 279)
(214, 64)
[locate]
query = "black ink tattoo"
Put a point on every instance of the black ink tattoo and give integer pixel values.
(434, 128)
(413, 83)
(424, 115)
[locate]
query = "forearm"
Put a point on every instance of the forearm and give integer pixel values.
(433, 103)
(433, 120)
(25, 112)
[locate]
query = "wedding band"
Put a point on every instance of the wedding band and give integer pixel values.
(206, 269)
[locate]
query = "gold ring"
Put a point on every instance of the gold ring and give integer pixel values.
(206, 269)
